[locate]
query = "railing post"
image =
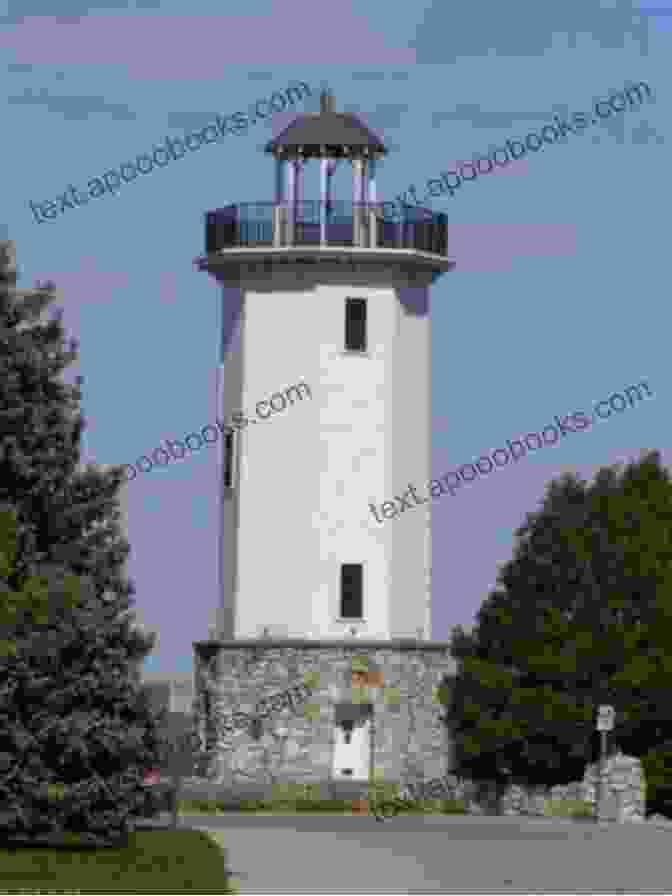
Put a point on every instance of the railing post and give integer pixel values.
(290, 224)
(278, 225)
(323, 222)
(365, 226)
(356, 226)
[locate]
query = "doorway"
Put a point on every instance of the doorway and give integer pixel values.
(352, 741)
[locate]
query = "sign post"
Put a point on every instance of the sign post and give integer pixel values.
(605, 722)
(180, 762)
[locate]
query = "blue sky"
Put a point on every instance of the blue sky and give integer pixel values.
(558, 299)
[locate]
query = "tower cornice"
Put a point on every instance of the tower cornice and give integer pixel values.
(231, 264)
(323, 644)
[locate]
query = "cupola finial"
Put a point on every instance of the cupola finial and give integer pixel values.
(327, 103)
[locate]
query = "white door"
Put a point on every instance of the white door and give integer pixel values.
(352, 751)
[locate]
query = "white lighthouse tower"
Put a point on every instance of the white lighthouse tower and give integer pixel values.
(325, 360)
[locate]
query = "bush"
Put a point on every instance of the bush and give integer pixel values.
(568, 809)
(324, 806)
(297, 798)
(385, 799)
(214, 806)
(454, 807)
(657, 769)
(198, 806)
(382, 791)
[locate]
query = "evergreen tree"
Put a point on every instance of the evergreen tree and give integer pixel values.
(582, 616)
(35, 597)
(72, 715)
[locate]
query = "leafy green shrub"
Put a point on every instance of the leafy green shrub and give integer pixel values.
(453, 807)
(382, 791)
(211, 807)
(385, 796)
(324, 806)
(568, 809)
(301, 798)
(197, 806)
(392, 697)
(287, 797)
(312, 680)
(308, 798)
(583, 810)
(250, 806)
(311, 711)
(657, 770)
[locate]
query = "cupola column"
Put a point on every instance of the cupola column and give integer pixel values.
(372, 181)
(371, 200)
(291, 200)
(298, 182)
(291, 177)
(357, 180)
(365, 181)
(279, 180)
(357, 177)
(324, 198)
(281, 211)
(327, 168)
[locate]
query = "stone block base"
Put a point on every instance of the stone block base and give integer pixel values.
(352, 702)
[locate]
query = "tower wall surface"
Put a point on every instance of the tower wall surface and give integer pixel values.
(229, 402)
(308, 473)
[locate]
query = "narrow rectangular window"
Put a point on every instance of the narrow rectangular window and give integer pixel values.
(355, 325)
(229, 459)
(352, 591)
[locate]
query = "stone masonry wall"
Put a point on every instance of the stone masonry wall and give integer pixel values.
(625, 792)
(295, 743)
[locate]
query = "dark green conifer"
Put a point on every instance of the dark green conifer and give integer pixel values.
(582, 616)
(76, 732)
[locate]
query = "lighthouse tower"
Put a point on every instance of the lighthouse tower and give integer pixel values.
(325, 382)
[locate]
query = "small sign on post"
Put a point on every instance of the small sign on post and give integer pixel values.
(605, 722)
(605, 718)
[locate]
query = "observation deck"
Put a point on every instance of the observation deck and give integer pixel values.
(313, 223)
(320, 230)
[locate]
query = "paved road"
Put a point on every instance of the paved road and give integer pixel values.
(438, 854)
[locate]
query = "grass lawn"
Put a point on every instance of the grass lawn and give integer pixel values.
(155, 861)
